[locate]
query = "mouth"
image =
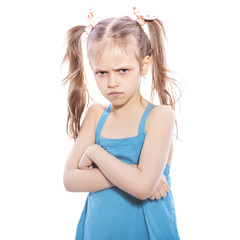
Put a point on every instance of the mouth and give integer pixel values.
(115, 93)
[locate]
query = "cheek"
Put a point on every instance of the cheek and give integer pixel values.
(100, 84)
(137, 80)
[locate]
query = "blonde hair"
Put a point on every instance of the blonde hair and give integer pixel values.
(116, 30)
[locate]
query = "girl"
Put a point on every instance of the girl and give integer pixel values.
(122, 153)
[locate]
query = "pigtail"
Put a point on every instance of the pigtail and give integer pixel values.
(77, 92)
(162, 84)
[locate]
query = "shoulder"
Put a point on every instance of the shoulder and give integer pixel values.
(160, 115)
(90, 120)
(95, 111)
(97, 108)
(162, 111)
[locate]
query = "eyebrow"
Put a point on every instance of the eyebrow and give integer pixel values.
(114, 69)
(121, 67)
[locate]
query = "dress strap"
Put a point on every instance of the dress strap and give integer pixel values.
(141, 127)
(102, 120)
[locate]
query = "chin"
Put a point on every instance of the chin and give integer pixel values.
(118, 102)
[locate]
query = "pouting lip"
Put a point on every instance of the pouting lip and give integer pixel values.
(115, 93)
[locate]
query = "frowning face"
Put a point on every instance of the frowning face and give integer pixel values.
(118, 75)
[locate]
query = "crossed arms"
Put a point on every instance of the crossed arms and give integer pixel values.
(141, 181)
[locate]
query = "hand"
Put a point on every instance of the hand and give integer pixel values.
(161, 190)
(85, 162)
(162, 187)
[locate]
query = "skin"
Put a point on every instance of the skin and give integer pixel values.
(119, 71)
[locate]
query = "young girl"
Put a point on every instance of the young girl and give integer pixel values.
(122, 152)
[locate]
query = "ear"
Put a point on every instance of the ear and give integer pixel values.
(146, 63)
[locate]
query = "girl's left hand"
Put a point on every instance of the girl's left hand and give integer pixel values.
(85, 162)
(162, 189)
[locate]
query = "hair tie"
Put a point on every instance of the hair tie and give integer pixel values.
(90, 25)
(141, 18)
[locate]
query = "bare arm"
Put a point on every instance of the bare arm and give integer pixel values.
(86, 181)
(76, 180)
(140, 182)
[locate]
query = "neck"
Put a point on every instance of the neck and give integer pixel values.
(130, 107)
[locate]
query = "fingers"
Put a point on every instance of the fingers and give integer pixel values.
(152, 197)
(161, 190)
(163, 187)
(158, 194)
(164, 184)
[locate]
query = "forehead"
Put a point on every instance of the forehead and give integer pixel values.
(113, 57)
(111, 52)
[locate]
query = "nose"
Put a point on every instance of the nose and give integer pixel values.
(112, 82)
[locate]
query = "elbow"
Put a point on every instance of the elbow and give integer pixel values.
(67, 187)
(67, 182)
(145, 192)
(72, 183)
(144, 196)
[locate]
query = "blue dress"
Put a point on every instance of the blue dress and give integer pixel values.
(113, 214)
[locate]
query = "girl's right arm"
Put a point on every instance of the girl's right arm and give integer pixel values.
(76, 180)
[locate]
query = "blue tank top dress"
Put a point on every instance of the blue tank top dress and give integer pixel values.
(113, 214)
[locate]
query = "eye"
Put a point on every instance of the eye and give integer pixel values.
(123, 71)
(101, 73)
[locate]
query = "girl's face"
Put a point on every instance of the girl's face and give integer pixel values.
(118, 75)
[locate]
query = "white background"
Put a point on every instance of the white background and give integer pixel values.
(202, 48)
